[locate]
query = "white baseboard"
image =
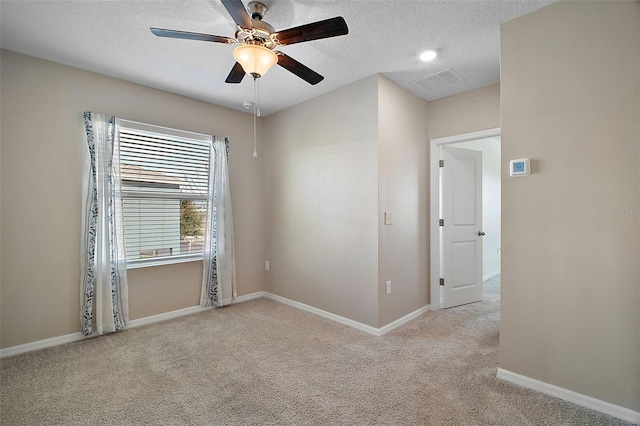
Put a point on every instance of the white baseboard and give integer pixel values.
(570, 396)
(405, 319)
(74, 337)
(166, 316)
(191, 310)
(245, 298)
(346, 321)
(41, 344)
(491, 275)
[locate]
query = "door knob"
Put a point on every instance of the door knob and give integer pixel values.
(481, 233)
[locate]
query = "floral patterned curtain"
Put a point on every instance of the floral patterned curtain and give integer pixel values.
(104, 291)
(219, 276)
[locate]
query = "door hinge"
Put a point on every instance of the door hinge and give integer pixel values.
(441, 222)
(441, 281)
(441, 163)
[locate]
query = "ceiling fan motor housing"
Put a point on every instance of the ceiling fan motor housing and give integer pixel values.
(257, 10)
(261, 33)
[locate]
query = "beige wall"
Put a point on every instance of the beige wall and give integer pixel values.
(333, 166)
(570, 87)
(403, 190)
(467, 112)
(325, 191)
(164, 288)
(41, 175)
(321, 202)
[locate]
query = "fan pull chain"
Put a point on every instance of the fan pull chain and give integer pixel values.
(258, 96)
(256, 112)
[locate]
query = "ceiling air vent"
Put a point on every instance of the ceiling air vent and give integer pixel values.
(439, 80)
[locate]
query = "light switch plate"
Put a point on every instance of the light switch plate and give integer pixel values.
(388, 218)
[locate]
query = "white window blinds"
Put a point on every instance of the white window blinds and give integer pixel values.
(165, 176)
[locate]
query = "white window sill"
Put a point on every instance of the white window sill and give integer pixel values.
(145, 263)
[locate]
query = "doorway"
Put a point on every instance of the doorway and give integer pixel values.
(486, 233)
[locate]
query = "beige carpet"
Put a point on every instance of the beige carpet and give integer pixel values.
(264, 363)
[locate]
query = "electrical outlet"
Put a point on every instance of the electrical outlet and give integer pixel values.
(387, 287)
(266, 265)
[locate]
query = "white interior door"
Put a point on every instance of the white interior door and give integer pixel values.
(461, 226)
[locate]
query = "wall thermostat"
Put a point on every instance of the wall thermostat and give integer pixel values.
(520, 167)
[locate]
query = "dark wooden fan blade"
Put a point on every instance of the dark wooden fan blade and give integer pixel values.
(322, 29)
(302, 71)
(236, 75)
(238, 13)
(160, 32)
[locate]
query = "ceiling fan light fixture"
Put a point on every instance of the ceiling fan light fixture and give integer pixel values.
(256, 60)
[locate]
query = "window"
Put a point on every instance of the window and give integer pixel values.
(165, 179)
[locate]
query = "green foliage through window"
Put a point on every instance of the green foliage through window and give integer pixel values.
(191, 219)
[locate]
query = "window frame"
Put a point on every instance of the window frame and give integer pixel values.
(132, 194)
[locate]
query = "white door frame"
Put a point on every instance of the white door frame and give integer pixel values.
(434, 229)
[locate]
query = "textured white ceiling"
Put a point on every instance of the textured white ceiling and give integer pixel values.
(385, 37)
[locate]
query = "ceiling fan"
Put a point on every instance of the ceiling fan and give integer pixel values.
(257, 41)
